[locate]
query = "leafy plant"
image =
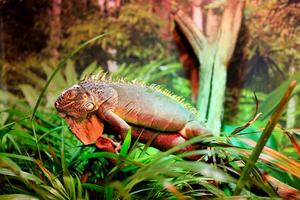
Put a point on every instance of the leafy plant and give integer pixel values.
(41, 158)
(135, 36)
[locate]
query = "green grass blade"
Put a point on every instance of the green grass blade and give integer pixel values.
(21, 157)
(126, 145)
(99, 154)
(36, 139)
(50, 131)
(269, 104)
(97, 188)
(17, 197)
(12, 123)
(91, 68)
(68, 180)
(79, 188)
(29, 93)
(273, 157)
(58, 187)
(71, 73)
(108, 191)
(24, 175)
(263, 139)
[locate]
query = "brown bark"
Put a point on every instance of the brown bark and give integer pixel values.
(214, 49)
(188, 60)
(55, 26)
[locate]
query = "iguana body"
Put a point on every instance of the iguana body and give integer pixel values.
(89, 130)
(121, 104)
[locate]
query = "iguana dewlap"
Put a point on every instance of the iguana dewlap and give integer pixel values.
(121, 104)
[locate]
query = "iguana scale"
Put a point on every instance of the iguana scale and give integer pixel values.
(122, 104)
(89, 130)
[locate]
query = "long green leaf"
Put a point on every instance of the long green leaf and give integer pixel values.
(269, 104)
(126, 145)
(71, 73)
(274, 157)
(21, 157)
(17, 197)
(263, 139)
(29, 93)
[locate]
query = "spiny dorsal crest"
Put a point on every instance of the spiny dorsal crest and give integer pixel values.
(173, 96)
(105, 78)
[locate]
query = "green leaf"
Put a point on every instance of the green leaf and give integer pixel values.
(56, 194)
(108, 191)
(7, 97)
(59, 188)
(269, 104)
(70, 72)
(11, 155)
(17, 197)
(97, 155)
(8, 163)
(263, 139)
(79, 188)
(126, 145)
(206, 170)
(24, 175)
(273, 157)
(30, 94)
(97, 188)
(91, 68)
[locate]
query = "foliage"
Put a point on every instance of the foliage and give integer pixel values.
(273, 30)
(266, 106)
(263, 138)
(140, 172)
(134, 35)
(42, 159)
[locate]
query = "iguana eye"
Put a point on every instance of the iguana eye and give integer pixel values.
(89, 106)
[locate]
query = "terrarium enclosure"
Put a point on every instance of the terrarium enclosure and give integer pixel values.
(136, 99)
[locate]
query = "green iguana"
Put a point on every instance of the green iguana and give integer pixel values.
(89, 130)
(121, 105)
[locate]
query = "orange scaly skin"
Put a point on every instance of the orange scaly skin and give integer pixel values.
(121, 105)
(89, 130)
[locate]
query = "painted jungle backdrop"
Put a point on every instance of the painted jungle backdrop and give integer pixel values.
(234, 62)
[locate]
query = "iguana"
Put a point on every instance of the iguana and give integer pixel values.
(122, 104)
(89, 130)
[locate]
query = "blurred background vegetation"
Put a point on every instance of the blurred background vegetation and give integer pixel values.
(42, 159)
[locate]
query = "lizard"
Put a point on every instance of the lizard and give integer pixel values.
(123, 104)
(89, 131)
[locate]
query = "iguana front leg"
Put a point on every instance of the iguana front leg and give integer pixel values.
(108, 145)
(115, 121)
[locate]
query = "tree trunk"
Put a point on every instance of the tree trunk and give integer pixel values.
(214, 48)
(55, 32)
(291, 107)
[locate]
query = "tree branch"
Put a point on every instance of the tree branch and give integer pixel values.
(229, 30)
(190, 29)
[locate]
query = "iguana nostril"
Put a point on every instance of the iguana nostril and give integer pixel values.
(56, 104)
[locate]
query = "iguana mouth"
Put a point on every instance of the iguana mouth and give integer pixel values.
(88, 129)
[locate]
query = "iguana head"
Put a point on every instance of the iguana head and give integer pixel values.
(75, 102)
(76, 106)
